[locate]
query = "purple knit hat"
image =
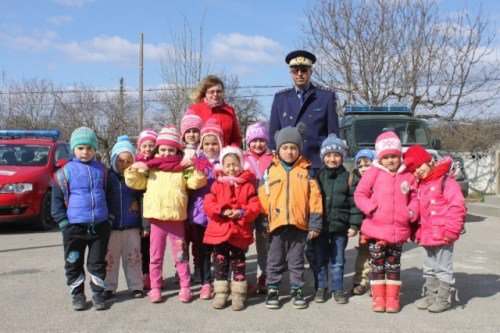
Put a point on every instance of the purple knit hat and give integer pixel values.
(256, 131)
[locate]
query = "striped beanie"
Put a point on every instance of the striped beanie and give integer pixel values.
(212, 127)
(83, 136)
(122, 145)
(189, 121)
(169, 136)
(147, 134)
(388, 143)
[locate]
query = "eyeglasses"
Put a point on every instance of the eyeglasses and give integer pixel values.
(213, 91)
(296, 70)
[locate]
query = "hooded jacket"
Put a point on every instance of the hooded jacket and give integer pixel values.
(225, 196)
(386, 199)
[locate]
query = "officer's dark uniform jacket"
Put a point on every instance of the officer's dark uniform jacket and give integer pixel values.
(318, 113)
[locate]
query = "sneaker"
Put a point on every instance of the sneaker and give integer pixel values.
(155, 295)
(185, 295)
(146, 282)
(79, 302)
(298, 299)
(261, 285)
(108, 294)
(99, 301)
(272, 299)
(137, 294)
(358, 289)
(206, 291)
(339, 297)
(320, 296)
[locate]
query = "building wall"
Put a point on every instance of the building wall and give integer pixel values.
(482, 170)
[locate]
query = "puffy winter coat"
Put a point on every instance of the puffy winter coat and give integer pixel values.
(123, 202)
(339, 210)
(386, 199)
(291, 197)
(80, 195)
(166, 196)
(226, 117)
(258, 164)
(442, 213)
(225, 196)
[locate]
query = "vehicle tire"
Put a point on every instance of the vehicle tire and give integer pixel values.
(44, 221)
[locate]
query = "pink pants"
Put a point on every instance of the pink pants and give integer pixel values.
(174, 230)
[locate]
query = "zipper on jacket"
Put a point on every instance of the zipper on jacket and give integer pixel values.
(91, 196)
(287, 196)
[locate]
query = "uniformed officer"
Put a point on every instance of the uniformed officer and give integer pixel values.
(315, 106)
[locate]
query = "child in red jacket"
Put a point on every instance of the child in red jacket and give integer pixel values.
(442, 214)
(231, 206)
(387, 195)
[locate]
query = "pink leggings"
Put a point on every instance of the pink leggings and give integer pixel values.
(174, 230)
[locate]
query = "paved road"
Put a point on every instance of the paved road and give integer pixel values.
(34, 296)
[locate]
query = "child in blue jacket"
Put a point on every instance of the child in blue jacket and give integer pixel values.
(79, 207)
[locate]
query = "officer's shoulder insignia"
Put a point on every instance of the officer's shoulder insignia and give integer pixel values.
(284, 90)
(325, 88)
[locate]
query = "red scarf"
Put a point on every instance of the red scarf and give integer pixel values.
(166, 163)
(437, 172)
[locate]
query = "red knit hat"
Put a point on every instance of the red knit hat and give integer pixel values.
(147, 134)
(212, 127)
(415, 156)
(189, 121)
(388, 143)
(169, 136)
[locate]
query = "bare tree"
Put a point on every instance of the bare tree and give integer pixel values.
(182, 68)
(404, 51)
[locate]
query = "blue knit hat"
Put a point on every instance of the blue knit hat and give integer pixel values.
(333, 144)
(367, 153)
(83, 136)
(122, 145)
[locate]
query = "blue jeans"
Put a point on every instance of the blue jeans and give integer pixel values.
(330, 249)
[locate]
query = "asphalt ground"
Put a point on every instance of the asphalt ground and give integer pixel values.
(34, 296)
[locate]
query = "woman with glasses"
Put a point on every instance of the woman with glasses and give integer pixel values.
(209, 103)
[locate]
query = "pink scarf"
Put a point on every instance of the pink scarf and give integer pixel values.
(166, 163)
(212, 105)
(232, 180)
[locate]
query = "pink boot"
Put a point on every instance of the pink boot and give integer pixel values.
(185, 295)
(155, 295)
(206, 291)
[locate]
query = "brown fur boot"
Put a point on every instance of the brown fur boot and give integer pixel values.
(238, 294)
(221, 293)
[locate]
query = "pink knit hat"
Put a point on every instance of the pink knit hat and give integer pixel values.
(388, 143)
(189, 121)
(212, 127)
(256, 131)
(170, 136)
(147, 134)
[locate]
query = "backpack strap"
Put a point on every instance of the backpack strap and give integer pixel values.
(61, 179)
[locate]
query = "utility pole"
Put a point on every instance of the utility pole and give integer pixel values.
(121, 100)
(141, 70)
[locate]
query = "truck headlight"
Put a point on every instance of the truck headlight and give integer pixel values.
(18, 188)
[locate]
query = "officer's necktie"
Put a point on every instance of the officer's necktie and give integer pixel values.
(301, 97)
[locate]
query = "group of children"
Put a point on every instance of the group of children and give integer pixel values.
(189, 187)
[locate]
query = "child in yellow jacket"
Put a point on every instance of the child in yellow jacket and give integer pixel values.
(166, 182)
(291, 199)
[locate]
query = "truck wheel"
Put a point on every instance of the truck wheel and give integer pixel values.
(44, 221)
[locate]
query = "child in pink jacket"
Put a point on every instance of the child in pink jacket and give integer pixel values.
(259, 158)
(386, 194)
(442, 214)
